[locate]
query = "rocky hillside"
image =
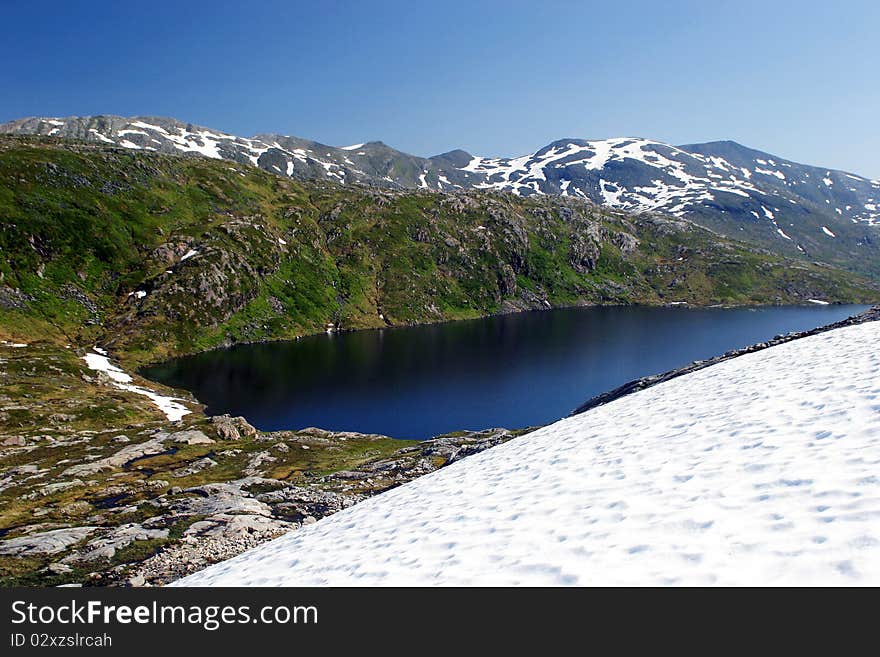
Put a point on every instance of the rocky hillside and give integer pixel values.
(152, 255)
(806, 212)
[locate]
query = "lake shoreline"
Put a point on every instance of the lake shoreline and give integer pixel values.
(378, 381)
(139, 366)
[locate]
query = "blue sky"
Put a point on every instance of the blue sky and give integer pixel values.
(798, 79)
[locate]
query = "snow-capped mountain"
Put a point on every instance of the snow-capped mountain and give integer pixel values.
(790, 207)
(371, 163)
(644, 175)
(737, 191)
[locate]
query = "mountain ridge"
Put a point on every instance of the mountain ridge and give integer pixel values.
(799, 210)
(23, 125)
(9, 127)
(117, 257)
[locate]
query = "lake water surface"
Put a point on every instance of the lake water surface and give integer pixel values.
(507, 371)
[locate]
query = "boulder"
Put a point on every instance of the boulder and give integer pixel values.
(234, 526)
(232, 428)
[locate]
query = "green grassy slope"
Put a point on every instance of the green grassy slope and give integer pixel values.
(94, 241)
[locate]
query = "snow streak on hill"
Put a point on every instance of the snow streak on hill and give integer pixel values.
(758, 470)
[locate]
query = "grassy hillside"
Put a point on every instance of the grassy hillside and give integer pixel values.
(155, 255)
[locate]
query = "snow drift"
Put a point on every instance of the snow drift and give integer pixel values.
(759, 470)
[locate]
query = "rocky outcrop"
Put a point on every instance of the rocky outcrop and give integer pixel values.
(131, 453)
(230, 497)
(180, 529)
(232, 428)
(107, 544)
(41, 543)
(242, 513)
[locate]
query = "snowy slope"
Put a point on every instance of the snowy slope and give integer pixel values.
(759, 470)
(98, 361)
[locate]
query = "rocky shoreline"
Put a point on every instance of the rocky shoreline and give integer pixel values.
(99, 489)
(870, 315)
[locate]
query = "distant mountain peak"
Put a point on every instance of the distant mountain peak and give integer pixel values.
(457, 158)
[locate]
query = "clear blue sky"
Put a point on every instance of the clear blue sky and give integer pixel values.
(798, 79)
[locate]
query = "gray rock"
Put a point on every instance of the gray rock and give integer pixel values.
(191, 437)
(148, 448)
(227, 497)
(17, 475)
(259, 459)
(78, 507)
(105, 547)
(50, 542)
(194, 467)
(233, 526)
(58, 568)
(298, 503)
(57, 487)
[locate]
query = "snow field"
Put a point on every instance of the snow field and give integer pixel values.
(761, 470)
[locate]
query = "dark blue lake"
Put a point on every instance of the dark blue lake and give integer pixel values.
(507, 371)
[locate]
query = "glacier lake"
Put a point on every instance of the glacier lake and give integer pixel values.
(510, 371)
